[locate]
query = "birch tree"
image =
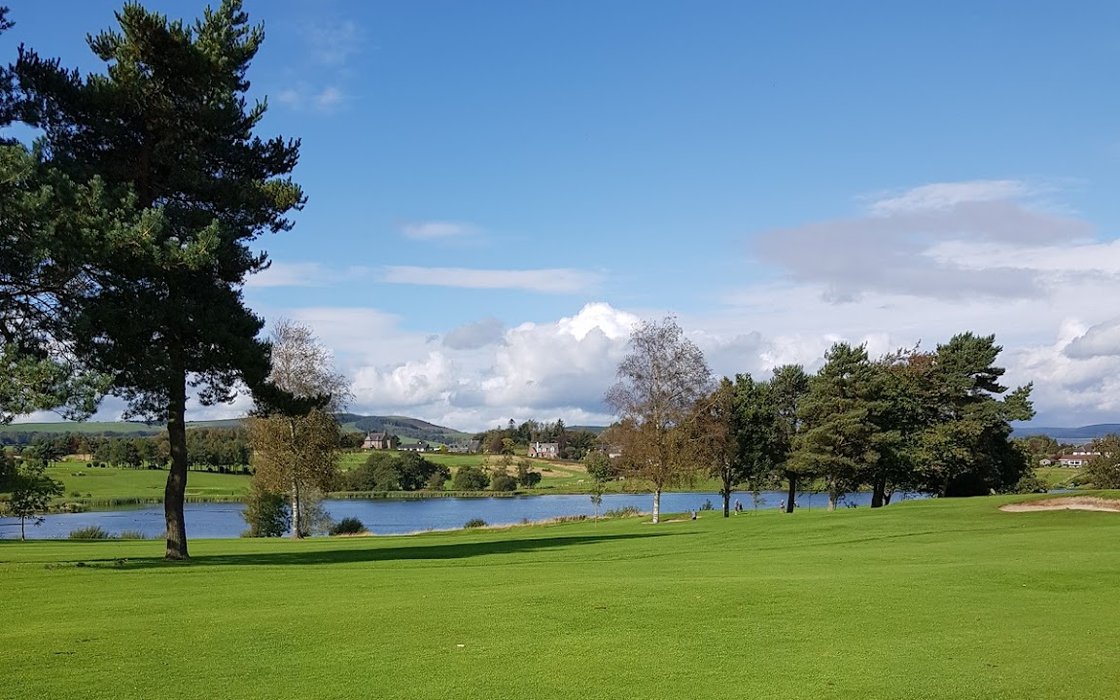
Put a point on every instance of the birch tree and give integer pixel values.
(659, 385)
(296, 452)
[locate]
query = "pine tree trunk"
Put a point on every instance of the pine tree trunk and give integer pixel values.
(831, 501)
(22, 532)
(175, 492)
(726, 502)
(657, 505)
(792, 491)
(878, 492)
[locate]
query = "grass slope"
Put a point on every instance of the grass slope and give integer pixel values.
(147, 484)
(936, 599)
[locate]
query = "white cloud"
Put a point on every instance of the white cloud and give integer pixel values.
(283, 274)
(429, 230)
(303, 96)
(559, 369)
(946, 195)
(933, 241)
(475, 335)
(547, 281)
(1101, 340)
(327, 99)
(334, 43)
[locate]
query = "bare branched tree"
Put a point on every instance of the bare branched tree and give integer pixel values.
(659, 385)
(298, 454)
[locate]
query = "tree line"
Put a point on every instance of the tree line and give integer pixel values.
(572, 444)
(935, 422)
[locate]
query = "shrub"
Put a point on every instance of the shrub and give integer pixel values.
(468, 478)
(526, 477)
(315, 520)
(1029, 483)
(625, 512)
(475, 522)
(267, 514)
(437, 480)
(348, 526)
(707, 505)
(132, 535)
(92, 532)
(503, 482)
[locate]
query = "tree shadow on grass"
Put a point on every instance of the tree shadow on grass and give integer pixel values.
(375, 552)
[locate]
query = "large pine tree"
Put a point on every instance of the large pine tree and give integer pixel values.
(168, 129)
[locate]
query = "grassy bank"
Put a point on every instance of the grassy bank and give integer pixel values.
(948, 599)
(108, 486)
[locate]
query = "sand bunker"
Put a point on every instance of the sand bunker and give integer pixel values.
(1065, 503)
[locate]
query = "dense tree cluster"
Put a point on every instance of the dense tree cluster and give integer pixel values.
(1103, 470)
(935, 422)
(573, 443)
(216, 449)
(388, 471)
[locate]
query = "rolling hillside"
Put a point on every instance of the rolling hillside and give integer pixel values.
(409, 429)
(1083, 433)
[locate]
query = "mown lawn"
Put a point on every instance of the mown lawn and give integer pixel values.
(948, 599)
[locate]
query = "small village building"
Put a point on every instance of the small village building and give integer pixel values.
(544, 450)
(380, 441)
(1078, 458)
(467, 447)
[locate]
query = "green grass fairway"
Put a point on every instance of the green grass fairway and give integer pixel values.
(948, 599)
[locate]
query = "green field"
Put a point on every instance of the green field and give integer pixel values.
(109, 483)
(926, 599)
(1059, 477)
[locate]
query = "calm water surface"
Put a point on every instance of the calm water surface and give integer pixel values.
(387, 517)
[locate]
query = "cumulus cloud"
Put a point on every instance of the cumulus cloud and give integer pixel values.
(547, 281)
(475, 335)
(1101, 340)
(899, 245)
(486, 373)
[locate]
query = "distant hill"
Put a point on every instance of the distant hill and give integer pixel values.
(409, 429)
(1085, 432)
(597, 429)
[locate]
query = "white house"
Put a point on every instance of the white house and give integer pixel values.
(544, 450)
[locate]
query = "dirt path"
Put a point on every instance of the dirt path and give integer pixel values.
(1065, 503)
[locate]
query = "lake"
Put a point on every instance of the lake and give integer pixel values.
(391, 517)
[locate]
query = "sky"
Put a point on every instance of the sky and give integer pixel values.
(499, 191)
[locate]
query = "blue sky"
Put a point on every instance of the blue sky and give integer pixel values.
(498, 191)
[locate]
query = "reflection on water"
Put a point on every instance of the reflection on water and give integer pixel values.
(383, 517)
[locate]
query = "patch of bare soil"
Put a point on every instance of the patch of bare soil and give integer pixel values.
(1065, 503)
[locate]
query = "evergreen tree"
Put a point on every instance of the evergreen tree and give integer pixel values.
(167, 129)
(967, 448)
(839, 438)
(787, 390)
